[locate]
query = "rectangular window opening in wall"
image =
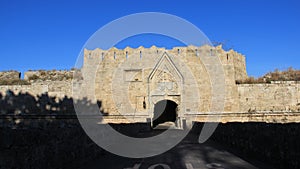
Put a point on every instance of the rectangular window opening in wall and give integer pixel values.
(133, 75)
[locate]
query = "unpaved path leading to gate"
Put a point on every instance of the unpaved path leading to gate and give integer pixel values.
(188, 154)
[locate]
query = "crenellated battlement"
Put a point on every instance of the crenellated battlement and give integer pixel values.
(179, 51)
(189, 53)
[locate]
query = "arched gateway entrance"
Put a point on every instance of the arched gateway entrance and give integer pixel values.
(164, 111)
(165, 86)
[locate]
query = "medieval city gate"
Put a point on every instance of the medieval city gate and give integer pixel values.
(165, 88)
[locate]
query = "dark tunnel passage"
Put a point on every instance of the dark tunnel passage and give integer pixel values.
(164, 111)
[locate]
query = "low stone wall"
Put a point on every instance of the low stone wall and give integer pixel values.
(26, 103)
(277, 96)
(52, 75)
(55, 83)
(33, 89)
(275, 144)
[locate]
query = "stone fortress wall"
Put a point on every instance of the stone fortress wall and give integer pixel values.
(137, 59)
(54, 83)
(10, 75)
(128, 83)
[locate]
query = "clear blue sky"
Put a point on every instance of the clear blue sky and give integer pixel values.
(50, 34)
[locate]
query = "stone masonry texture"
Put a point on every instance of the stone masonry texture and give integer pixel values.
(129, 82)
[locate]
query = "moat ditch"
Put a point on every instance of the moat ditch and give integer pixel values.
(61, 143)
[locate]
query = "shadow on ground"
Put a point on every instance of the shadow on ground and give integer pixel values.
(43, 132)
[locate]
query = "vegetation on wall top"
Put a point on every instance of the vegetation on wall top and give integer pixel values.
(290, 74)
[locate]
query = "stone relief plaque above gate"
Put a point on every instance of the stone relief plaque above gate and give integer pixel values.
(165, 79)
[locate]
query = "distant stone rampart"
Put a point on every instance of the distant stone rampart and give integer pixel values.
(10, 75)
(49, 75)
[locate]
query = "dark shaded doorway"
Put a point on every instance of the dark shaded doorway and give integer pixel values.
(164, 111)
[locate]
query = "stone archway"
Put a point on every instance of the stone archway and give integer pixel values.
(165, 82)
(165, 111)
